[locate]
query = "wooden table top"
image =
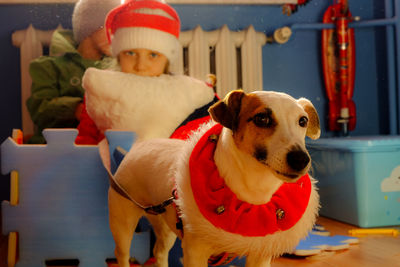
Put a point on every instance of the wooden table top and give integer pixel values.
(371, 251)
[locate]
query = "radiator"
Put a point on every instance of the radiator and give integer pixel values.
(235, 57)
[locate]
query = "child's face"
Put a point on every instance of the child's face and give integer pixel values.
(143, 62)
(100, 41)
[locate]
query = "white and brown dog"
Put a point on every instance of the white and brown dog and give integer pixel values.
(242, 184)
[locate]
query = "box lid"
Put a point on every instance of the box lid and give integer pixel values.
(359, 143)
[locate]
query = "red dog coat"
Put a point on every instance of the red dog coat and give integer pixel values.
(224, 210)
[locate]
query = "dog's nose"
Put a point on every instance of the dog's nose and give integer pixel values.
(297, 159)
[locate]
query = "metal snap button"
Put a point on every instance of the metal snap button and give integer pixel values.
(213, 138)
(220, 209)
(280, 214)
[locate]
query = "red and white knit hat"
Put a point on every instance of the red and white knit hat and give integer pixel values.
(148, 24)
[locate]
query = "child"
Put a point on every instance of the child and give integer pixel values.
(57, 93)
(144, 38)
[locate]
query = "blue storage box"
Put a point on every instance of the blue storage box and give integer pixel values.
(358, 179)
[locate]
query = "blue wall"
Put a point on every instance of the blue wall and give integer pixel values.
(294, 67)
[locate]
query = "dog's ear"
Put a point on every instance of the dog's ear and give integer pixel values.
(226, 111)
(313, 129)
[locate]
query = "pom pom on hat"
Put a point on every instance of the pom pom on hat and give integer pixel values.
(147, 24)
(89, 16)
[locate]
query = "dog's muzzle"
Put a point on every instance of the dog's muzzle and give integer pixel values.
(297, 160)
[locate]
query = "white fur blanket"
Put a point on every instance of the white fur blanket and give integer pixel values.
(149, 106)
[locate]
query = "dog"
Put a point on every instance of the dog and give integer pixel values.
(240, 184)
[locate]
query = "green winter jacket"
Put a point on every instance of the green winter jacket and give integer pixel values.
(56, 85)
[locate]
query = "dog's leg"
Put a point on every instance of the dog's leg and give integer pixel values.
(255, 261)
(123, 216)
(165, 239)
(195, 252)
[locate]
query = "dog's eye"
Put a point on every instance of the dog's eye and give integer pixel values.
(262, 120)
(303, 121)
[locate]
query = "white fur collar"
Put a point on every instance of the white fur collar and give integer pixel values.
(150, 106)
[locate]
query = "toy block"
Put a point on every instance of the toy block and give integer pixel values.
(62, 210)
(118, 141)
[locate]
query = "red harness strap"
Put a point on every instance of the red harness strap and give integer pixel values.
(221, 259)
(179, 224)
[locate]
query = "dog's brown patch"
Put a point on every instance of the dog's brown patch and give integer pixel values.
(226, 112)
(260, 153)
(313, 129)
(248, 136)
